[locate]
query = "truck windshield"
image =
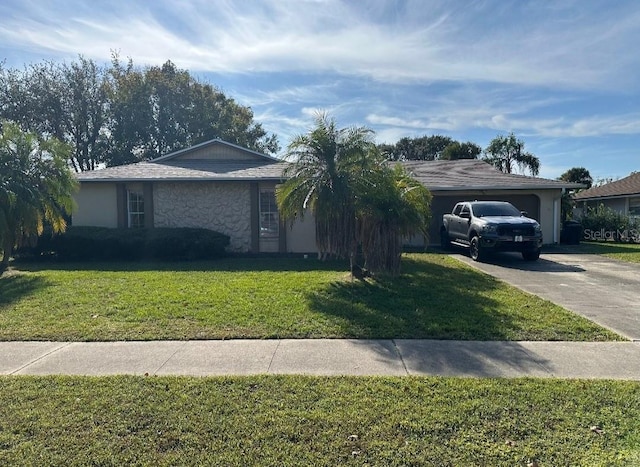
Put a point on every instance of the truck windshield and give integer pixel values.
(495, 209)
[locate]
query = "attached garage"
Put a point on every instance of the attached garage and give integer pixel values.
(467, 180)
(443, 204)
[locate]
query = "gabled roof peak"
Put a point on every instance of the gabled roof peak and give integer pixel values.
(212, 142)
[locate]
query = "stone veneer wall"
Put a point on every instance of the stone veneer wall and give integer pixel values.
(224, 207)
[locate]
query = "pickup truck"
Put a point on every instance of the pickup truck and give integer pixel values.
(486, 226)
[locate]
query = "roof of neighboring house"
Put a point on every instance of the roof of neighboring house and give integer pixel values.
(474, 174)
(624, 187)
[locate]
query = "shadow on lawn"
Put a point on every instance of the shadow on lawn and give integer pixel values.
(427, 300)
(14, 286)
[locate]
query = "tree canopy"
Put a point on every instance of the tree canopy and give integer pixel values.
(507, 153)
(457, 150)
(573, 175)
(430, 148)
(577, 175)
(357, 199)
(36, 187)
(423, 148)
(120, 113)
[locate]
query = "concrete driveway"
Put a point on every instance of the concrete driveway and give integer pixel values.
(603, 290)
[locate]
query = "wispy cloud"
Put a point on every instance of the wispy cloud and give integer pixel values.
(561, 74)
(417, 43)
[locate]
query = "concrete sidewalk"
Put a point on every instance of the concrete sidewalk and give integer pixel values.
(610, 360)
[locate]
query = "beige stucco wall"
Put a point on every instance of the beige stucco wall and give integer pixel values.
(223, 207)
(96, 205)
(301, 237)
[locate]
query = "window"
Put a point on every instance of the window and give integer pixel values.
(135, 207)
(269, 220)
(634, 207)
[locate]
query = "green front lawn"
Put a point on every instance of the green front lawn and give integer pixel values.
(294, 420)
(629, 252)
(435, 297)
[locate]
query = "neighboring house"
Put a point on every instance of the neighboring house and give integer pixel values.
(230, 189)
(622, 196)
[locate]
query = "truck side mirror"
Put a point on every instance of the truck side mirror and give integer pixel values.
(524, 213)
(465, 215)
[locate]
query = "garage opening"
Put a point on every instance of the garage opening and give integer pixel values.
(441, 205)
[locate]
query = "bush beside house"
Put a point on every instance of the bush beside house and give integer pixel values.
(605, 224)
(100, 243)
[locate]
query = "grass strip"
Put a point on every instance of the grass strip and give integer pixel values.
(628, 252)
(294, 420)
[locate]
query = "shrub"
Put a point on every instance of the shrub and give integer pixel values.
(617, 226)
(101, 243)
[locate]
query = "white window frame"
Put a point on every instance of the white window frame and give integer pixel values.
(135, 209)
(269, 217)
(634, 207)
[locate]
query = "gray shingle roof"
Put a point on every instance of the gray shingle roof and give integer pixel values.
(436, 175)
(190, 169)
(624, 187)
(469, 174)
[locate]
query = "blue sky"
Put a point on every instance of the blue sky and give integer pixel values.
(563, 75)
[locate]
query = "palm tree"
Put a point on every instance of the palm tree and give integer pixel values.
(36, 186)
(357, 200)
(507, 152)
(392, 205)
(320, 181)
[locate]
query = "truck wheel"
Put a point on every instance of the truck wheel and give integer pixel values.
(475, 251)
(531, 255)
(445, 241)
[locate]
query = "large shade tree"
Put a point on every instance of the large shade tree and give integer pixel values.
(507, 154)
(67, 101)
(340, 177)
(120, 113)
(36, 187)
(160, 109)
